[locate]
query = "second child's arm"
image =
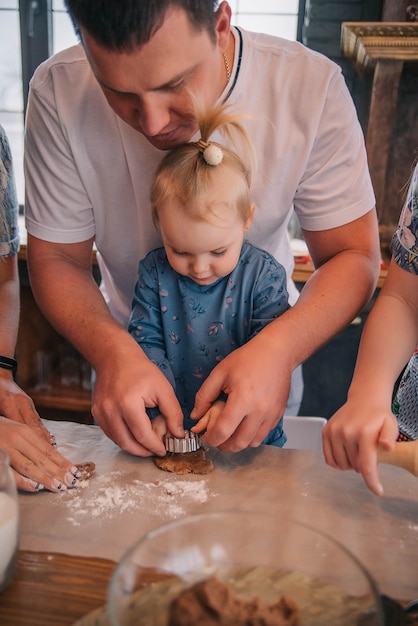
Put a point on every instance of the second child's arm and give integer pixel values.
(365, 421)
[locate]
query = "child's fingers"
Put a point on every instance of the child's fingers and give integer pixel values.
(201, 424)
(159, 426)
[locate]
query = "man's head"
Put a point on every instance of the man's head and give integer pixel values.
(124, 24)
(149, 56)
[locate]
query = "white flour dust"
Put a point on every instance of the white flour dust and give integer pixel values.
(105, 498)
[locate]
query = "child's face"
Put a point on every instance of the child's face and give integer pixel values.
(203, 250)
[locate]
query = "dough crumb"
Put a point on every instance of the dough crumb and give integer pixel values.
(86, 469)
(213, 602)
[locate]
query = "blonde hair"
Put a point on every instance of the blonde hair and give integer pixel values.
(184, 175)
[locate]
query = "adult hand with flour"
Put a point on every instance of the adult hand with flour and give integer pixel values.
(35, 462)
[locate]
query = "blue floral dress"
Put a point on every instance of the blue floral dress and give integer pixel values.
(9, 233)
(186, 328)
(405, 253)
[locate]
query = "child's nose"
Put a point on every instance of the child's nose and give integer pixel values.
(200, 265)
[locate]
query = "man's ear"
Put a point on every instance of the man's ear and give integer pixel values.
(223, 25)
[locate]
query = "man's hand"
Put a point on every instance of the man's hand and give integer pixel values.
(122, 392)
(257, 383)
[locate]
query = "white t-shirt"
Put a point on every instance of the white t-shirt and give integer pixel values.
(88, 173)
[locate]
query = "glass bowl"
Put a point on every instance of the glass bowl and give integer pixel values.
(259, 557)
(9, 522)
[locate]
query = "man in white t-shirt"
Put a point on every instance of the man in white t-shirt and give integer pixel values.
(99, 116)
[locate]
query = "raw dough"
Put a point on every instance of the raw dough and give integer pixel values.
(86, 469)
(213, 603)
(185, 462)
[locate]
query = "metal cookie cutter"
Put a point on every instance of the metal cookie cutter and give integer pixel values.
(190, 443)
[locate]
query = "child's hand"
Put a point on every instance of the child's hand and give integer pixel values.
(159, 426)
(210, 418)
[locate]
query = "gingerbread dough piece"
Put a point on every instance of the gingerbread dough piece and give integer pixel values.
(212, 602)
(86, 469)
(185, 462)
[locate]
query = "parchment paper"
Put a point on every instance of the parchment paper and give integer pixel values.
(127, 496)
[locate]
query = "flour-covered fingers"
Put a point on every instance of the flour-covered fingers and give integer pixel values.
(31, 457)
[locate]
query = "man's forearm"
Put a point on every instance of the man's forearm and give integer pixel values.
(329, 301)
(72, 302)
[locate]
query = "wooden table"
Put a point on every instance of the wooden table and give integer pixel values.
(54, 589)
(70, 542)
(57, 589)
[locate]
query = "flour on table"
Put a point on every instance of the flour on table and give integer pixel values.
(105, 498)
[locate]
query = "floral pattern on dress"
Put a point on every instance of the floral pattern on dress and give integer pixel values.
(405, 240)
(186, 329)
(9, 232)
(405, 253)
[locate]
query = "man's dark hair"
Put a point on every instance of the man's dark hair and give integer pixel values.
(122, 24)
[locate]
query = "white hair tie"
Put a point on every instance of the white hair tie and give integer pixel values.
(212, 154)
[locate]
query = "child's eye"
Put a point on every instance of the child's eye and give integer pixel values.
(219, 253)
(178, 253)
